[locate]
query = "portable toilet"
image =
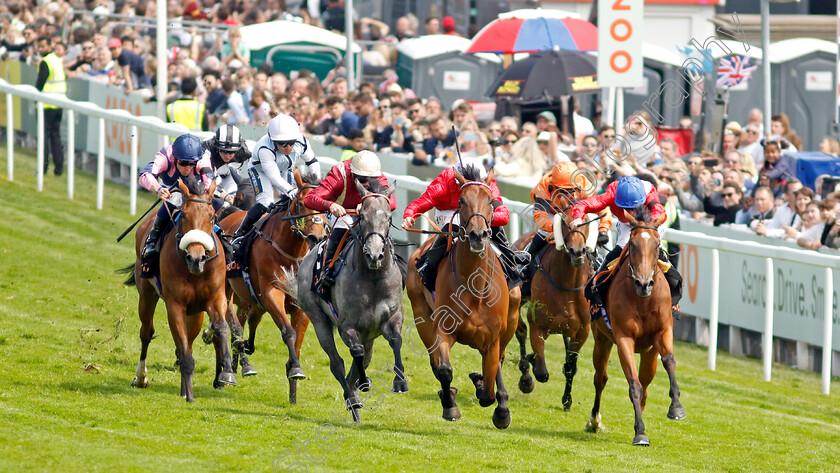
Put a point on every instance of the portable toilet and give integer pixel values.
(434, 65)
(803, 86)
(291, 46)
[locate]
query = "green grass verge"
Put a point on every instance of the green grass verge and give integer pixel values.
(64, 310)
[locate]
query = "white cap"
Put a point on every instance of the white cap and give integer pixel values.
(284, 128)
(366, 163)
(544, 136)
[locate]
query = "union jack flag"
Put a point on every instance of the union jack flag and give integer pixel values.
(733, 70)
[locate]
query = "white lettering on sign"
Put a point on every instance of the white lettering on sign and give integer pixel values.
(620, 43)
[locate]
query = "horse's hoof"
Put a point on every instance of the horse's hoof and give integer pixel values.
(594, 424)
(526, 384)
(248, 347)
(451, 413)
(400, 386)
(676, 413)
(353, 403)
(227, 378)
(541, 377)
(296, 373)
(501, 418)
(248, 370)
(365, 387)
(567, 403)
(641, 440)
(139, 384)
(207, 336)
(218, 385)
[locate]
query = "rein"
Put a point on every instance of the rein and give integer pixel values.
(303, 221)
(632, 272)
(179, 233)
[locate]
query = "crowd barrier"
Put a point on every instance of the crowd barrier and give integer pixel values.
(742, 282)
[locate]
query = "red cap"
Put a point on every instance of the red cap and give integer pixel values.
(448, 23)
(193, 11)
(114, 43)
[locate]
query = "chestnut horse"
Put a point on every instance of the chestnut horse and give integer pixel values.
(473, 304)
(192, 281)
(284, 240)
(559, 306)
(639, 311)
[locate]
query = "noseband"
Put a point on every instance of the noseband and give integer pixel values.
(303, 220)
(179, 233)
(462, 232)
(385, 239)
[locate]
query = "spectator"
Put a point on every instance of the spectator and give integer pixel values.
(433, 107)
(750, 143)
(685, 123)
(403, 29)
(756, 117)
(438, 145)
(432, 25)
(813, 224)
(731, 137)
(510, 124)
(334, 17)
(473, 142)
(131, 65)
(235, 113)
(641, 136)
(830, 146)
(448, 25)
(51, 80)
(583, 125)
(529, 129)
(462, 112)
(780, 128)
(527, 161)
(761, 210)
(731, 193)
(278, 84)
(777, 167)
(341, 121)
(416, 110)
(186, 110)
(734, 160)
(83, 61)
(355, 143)
(102, 68)
(363, 108)
(245, 87)
(260, 82)
(668, 148)
(789, 214)
(234, 48)
(216, 98)
(829, 238)
(260, 108)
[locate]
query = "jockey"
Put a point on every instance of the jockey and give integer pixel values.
(272, 165)
(183, 159)
(555, 191)
(228, 151)
(628, 193)
(443, 194)
(337, 193)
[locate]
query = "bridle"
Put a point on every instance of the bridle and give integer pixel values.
(462, 232)
(656, 267)
(363, 240)
(179, 233)
(302, 220)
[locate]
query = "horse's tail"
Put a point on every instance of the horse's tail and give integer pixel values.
(287, 279)
(130, 271)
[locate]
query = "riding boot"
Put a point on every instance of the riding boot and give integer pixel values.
(327, 278)
(428, 263)
(533, 249)
(595, 293)
(254, 214)
(512, 260)
(674, 279)
(154, 234)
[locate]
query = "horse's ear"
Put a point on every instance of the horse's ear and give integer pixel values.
(630, 219)
(459, 178)
(660, 219)
(212, 188)
(362, 191)
(390, 190)
(299, 179)
(491, 175)
(184, 189)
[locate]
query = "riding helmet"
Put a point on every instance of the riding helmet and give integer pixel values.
(283, 128)
(630, 192)
(187, 148)
(228, 139)
(366, 163)
(563, 174)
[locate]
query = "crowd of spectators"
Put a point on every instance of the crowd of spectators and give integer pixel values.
(750, 185)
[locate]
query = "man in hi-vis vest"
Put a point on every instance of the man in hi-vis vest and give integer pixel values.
(51, 80)
(186, 110)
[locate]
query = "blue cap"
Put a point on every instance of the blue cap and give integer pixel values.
(187, 148)
(630, 192)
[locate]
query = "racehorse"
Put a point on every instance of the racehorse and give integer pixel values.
(559, 306)
(192, 281)
(245, 197)
(366, 298)
(638, 321)
(473, 305)
(282, 242)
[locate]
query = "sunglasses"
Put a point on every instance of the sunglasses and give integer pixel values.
(590, 144)
(224, 151)
(186, 163)
(283, 144)
(416, 110)
(384, 107)
(729, 194)
(752, 132)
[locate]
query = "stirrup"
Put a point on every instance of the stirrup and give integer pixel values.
(521, 258)
(149, 250)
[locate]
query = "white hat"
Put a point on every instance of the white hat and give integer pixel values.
(544, 136)
(366, 163)
(284, 128)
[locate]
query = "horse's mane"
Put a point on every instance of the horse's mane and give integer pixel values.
(196, 186)
(310, 178)
(640, 213)
(471, 172)
(376, 187)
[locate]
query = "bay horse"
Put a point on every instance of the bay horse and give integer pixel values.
(473, 305)
(559, 306)
(639, 317)
(366, 298)
(192, 281)
(283, 241)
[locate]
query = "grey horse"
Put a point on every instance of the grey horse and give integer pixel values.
(367, 298)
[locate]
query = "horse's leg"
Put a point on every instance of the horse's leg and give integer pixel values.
(178, 326)
(647, 370)
(146, 309)
(626, 347)
(274, 301)
(501, 416)
(442, 369)
(600, 359)
(299, 323)
(666, 342)
(253, 314)
(351, 338)
(391, 332)
(526, 382)
(573, 346)
(538, 336)
(485, 382)
(235, 322)
(353, 378)
(224, 362)
(324, 332)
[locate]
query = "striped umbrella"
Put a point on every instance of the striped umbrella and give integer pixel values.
(518, 35)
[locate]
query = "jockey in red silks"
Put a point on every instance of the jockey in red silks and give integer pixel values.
(628, 193)
(184, 159)
(443, 194)
(337, 193)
